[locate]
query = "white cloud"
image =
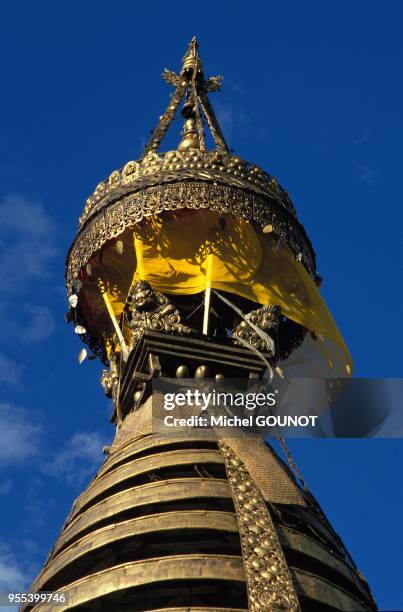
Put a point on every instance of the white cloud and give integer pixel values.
(10, 372)
(231, 120)
(40, 324)
(20, 436)
(80, 457)
(27, 242)
(27, 252)
(12, 576)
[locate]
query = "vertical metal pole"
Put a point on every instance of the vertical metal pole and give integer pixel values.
(123, 344)
(207, 299)
(207, 294)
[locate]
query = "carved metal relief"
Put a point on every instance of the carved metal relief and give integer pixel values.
(156, 168)
(266, 318)
(108, 223)
(110, 384)
(147, 308)
(110, 380)
(269, 581)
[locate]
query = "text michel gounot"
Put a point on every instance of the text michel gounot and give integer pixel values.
(248, 401)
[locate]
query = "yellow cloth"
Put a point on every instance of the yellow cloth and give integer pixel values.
(181, 252)
(111, 270)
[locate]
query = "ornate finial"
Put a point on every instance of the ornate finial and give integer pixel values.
(193, 136)
(191, 83)
(191, 60)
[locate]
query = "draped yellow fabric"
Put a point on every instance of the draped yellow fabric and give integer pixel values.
(178, 254)
(111, 270)
(181, 252)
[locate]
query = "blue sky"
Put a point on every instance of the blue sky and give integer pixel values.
(312, 93)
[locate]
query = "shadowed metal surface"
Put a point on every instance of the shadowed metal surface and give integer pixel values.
(143, 465)
(188, 567)
(132, 448)
(153, 493)
(219, 521)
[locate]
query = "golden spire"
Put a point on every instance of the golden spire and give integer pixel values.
(191, 84)
(191, 60)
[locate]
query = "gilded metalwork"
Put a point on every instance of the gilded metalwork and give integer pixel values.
(327, 593)
(196, 609)
(155, 523)
(159, 514)
(147, 308)
(149, 571)
(267, 319)
(110, 222)
(158, 168)
(318, 551)
(270, 585)
(192, 83)
(151, 443)
(142, 495)
(144, 465)
(110, 380)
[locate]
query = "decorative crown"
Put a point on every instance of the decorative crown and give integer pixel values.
(188, 177)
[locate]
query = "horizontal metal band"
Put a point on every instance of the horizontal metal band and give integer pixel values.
(187, 609)
(304, 516)
(174, 166)
(194, 519)
(326, 592)
(132, 448)
(143, 495)
(151, 571)
(111, 221)
(320, 552)
(142, 466)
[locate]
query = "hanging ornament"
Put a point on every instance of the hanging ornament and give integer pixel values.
(82, 355)
(73, 300)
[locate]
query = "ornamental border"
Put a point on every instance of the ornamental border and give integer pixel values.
(176, 166)
(113, 219)
(270, 585)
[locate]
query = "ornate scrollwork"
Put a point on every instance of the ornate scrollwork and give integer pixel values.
(112, 219)
(147, 308)
(110, 380)
(171, 77)
(213, 83)
(164, 167)
(269, 581)
(266, 318)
